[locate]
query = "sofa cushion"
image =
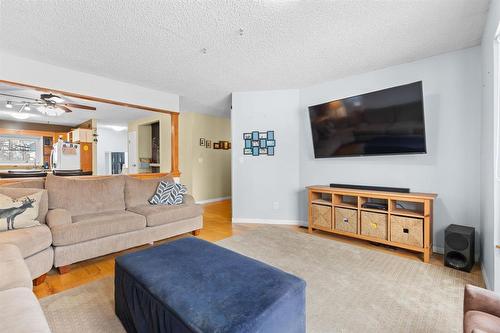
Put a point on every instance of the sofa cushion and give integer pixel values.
(28, 240)
(17, 193)
(163, 214)
(21, 212)
(477, 321)
(168, 193)
(15, 273)
(139, 191)
(86, 196)
(21, 312)
(26, 183)
(97, 225)
(58, 216)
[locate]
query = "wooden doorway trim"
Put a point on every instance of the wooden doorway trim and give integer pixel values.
(174, 164)
(174, 145)
(85, 97)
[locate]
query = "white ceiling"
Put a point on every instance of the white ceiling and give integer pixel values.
(105, 114)
(285, 44)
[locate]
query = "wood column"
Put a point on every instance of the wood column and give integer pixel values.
(174, 160)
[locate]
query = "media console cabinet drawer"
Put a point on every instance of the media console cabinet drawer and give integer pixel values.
(346, 220)
(374, 224)
(407, 230)
(322, 216)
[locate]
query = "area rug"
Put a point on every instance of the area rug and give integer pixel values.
(349, 288)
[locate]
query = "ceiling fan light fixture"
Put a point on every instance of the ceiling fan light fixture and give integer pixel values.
(56, 99)
(51, 98)
(27, 107)
(20, 116)
(8, 105)
(50, 111)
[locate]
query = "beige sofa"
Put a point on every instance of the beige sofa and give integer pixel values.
(97, 216)
(21, 312)
(84, 218)
(34, 243)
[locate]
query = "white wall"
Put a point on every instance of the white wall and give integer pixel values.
(265, 188)
(23, 70)
(109, 141)
(489, 148)
(452, 102)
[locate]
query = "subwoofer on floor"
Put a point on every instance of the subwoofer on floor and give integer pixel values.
(459, 246)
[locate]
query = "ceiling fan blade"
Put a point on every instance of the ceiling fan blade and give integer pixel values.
(62, 107)
(79, 106)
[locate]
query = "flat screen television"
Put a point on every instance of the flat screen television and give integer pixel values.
(388, 121)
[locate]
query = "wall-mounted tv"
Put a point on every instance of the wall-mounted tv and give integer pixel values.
(389, 121)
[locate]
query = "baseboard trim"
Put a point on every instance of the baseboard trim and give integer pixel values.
(201, 202)
(267, 221)
(485, 278)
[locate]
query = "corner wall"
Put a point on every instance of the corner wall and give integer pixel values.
(265, 188)
(205, 171)
(489, 150)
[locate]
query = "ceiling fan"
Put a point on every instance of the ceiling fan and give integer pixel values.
(48, 104)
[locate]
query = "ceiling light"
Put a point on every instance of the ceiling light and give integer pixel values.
(8, 105)
(19, 115)
(116, 128)
(27, 107)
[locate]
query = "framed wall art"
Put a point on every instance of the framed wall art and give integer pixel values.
(258, 143)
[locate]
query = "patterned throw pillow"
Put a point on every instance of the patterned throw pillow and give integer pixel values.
(168, 193)
(17, 213)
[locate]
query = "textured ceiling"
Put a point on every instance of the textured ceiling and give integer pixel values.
(285, 44)
(107, 114)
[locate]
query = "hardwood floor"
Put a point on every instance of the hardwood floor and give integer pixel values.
(217, 226)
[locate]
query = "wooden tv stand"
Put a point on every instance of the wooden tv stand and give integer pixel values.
(406, 221)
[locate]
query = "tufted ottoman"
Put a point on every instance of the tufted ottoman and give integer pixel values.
(190, 285)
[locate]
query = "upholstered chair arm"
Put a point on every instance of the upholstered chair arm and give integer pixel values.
(480, 299)
(57, 217)
(188, 199)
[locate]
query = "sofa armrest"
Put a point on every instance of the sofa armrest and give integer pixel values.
(15, 273)
(57, 217)
(188, 199)
(480, 299)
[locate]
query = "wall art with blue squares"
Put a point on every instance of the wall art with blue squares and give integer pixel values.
(259, 143)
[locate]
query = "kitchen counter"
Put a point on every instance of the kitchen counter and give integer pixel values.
(29, 173)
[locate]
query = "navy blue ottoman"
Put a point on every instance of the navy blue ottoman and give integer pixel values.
(191, 285)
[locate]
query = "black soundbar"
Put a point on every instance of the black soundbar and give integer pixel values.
(372, 188)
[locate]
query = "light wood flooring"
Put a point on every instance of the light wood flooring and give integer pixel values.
(217, 226)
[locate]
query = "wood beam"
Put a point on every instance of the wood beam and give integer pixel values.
(174, 161)
(85, 97)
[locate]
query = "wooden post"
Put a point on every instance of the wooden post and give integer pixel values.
(174, 169)
(309, 207)
(427, 231)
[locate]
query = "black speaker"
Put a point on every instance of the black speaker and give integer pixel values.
(459, 244)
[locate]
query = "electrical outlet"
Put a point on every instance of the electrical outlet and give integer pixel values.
(276, 205)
